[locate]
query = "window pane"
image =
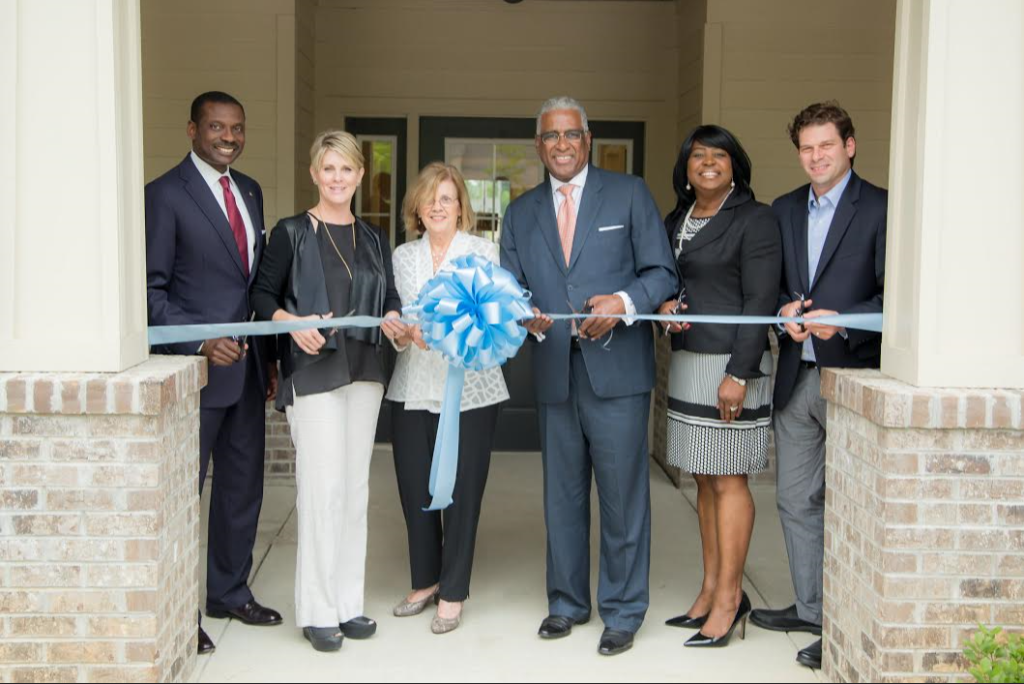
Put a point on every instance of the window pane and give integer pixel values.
(612, 157)
(496, 172)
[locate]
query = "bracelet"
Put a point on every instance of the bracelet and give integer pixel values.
(739, 381)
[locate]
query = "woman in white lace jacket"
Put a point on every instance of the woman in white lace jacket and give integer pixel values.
(441, 544)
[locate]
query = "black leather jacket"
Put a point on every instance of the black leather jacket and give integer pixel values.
(304, 291)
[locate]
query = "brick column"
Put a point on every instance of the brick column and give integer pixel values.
(99, 523)
(924, 525)
(280, 452)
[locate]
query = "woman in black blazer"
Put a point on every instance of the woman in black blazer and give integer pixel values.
(729, 257)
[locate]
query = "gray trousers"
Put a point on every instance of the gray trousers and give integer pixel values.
(605, 439)
(800, 449)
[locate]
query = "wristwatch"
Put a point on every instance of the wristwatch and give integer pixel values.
(739, 381)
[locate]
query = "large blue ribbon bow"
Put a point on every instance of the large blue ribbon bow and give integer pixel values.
(469, 313)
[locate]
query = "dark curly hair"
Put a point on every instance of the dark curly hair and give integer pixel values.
(818, 114)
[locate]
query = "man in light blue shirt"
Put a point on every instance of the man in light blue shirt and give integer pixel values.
(833, 239)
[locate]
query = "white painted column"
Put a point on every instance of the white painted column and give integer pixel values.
(954, 299)
(72, 255)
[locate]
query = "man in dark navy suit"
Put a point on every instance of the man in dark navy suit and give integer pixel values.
(204, 240)
(833, 240)
(589, 239)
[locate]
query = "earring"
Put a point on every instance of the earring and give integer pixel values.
(732, 184)
(688, 185)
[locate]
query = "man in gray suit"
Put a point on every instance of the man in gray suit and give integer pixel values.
(591, 240)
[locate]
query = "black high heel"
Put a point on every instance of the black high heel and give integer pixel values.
(687, 622)
(700, 639)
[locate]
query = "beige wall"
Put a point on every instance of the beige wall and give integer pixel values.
(305, 103)
(243, 47)
(409, 58)
(300, 66)
(691, 18)
(767, 59)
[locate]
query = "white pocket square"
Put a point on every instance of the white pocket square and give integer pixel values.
(606, 228)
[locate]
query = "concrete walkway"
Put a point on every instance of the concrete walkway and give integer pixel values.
(497, 640)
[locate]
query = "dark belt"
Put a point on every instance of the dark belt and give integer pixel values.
(574, 343)
(809, 365)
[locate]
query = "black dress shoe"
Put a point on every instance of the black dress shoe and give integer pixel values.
(810, 656)
(687, 621)
(614, 641)
(558, 626)
(252, 613)
(361, 627)
(205, 643)
(323, 638)
(702, 640)
(785, 620)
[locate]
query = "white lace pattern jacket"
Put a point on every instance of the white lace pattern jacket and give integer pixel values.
(420, 375)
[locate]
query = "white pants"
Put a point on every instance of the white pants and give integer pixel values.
(333, 435)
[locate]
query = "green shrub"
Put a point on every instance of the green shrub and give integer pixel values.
(995, 657)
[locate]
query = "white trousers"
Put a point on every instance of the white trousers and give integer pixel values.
(333, 435)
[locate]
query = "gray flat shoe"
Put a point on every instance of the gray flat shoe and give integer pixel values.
(409, 608)
(440, 625)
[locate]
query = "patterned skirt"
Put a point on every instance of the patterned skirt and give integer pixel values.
(699, 441)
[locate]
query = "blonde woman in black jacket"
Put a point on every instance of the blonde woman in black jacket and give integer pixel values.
(729, 258)
(328, 262)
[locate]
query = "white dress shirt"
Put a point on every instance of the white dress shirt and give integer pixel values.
(420, 375)
(212, 178)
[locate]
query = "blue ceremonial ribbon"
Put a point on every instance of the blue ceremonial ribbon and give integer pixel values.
(470, 314)
(866, 321)
(444, 464)
(169, 334)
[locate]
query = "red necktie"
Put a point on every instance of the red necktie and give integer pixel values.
(237, 224)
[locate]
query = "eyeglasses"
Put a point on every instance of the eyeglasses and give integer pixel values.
(550, 138)
(444, 200)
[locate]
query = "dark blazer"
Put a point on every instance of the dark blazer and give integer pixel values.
(850, 276)
(194, 272)
(731, 267)
(619, 245)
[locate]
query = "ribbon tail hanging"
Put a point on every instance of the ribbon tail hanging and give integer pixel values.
(445, 463)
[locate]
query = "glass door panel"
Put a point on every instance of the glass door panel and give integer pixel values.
(376, 201)
(496, 172)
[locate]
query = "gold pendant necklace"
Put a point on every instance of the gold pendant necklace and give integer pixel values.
(334, 244)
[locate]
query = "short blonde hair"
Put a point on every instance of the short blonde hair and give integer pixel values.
(339, 141)
(424, 190)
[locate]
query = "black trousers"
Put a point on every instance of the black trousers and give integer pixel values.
(441, 543)
(235, 438)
